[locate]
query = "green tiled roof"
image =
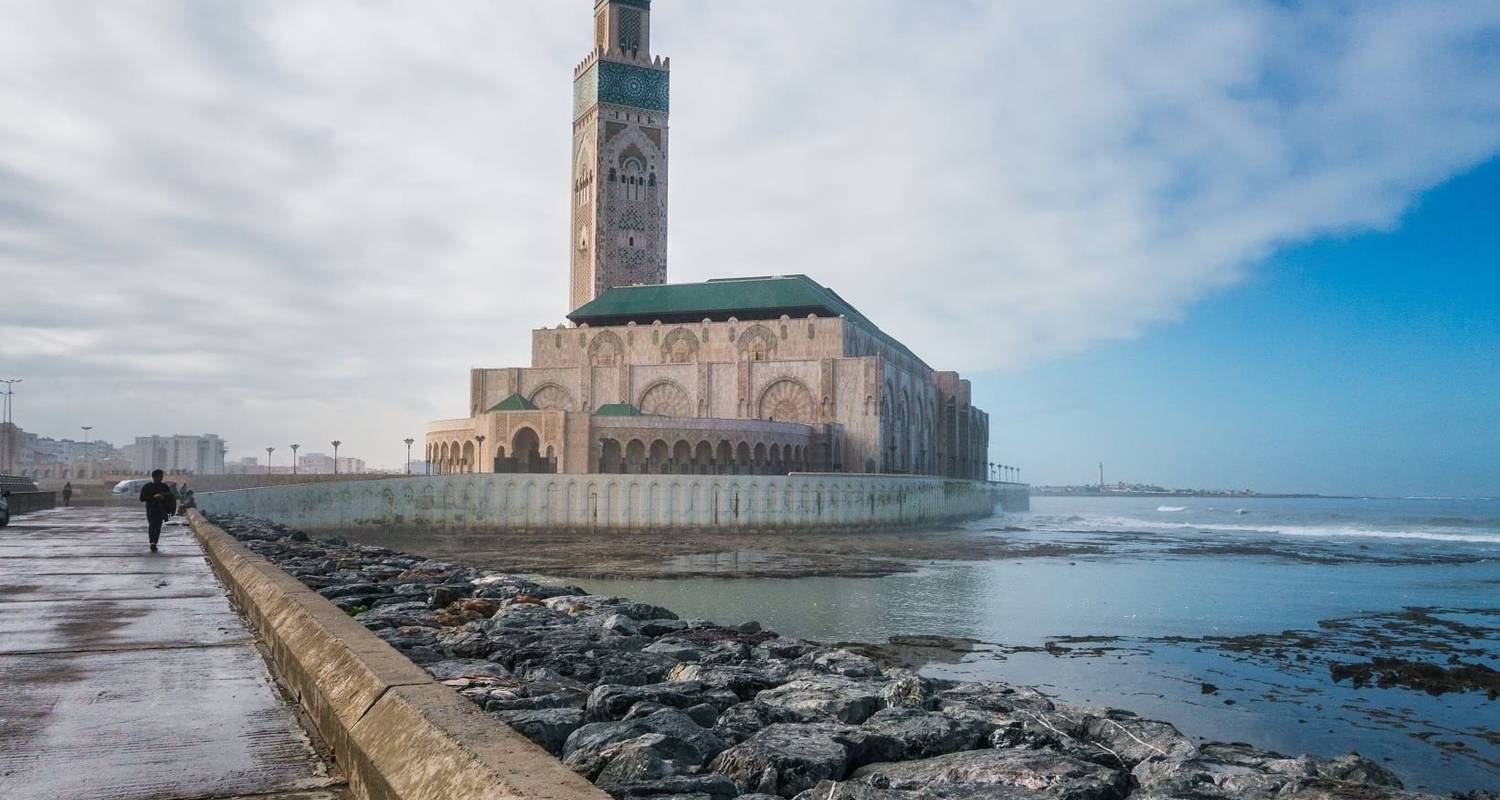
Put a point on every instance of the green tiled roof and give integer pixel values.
(514, 403)
(618, 410)
(742, 298)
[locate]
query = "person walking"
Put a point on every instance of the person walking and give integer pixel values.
(160, 503)
(67, 494)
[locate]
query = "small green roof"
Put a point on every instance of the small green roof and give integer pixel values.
(618, 410)
(513, 403)
(760, 298)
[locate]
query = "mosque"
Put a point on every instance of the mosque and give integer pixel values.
(747, 376)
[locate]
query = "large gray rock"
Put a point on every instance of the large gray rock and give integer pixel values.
(1134, 740)
(995, 697)
(526, 616)
(590, 748)
(924, 734)
(831, 790)
(784, 759)
(832, 697)
(745, 680)
(1241, 771)
(841, 662)
(611, 701)
(678, 787)
(466, 668)
(548, 727)
(1043, 773)
(909, 690)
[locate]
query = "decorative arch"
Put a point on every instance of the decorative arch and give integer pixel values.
(787, 400)
(552, 397)
(757, 343)
(606, 350)
(679, 347)
(665, 398)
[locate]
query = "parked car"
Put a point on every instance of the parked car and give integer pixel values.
(4, 509)
(130, 488)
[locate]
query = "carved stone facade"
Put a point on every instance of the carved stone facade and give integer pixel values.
(621, 99)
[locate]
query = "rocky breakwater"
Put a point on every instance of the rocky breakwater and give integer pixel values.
(648, 705)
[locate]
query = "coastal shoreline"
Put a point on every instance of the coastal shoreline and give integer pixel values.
(558, 664)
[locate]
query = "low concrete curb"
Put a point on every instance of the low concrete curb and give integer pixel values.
(397, 733)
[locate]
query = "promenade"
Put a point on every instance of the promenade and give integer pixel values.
(126, 675)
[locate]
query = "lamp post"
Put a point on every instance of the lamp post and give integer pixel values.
(294, 458)
(408, 454)
(10, 391)
(269, 451)
(335, 444)
(479, 467)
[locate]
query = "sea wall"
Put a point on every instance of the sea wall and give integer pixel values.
(27, 502)
(395, 731)
(583, 502)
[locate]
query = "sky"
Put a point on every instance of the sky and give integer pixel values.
(1210, 244)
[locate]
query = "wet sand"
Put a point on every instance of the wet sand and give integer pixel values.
(645, 554)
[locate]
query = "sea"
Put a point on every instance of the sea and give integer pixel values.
(1236, 619)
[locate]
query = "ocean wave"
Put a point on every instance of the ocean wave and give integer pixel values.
(1118, 524)
(1171, 509)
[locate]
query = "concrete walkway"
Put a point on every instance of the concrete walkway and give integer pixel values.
(126, 675)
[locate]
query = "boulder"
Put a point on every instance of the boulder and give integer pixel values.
(567, 698)
(549, 728)
(526, 617)
(745, 680)
(909, 690)
(408, 637)
(1134, 740)
(842, 662)
(466, 668)
(924, 734)
(784, 760)
(678, 787)
(703, 714)
(398, 615)
(682, 651)
(1040, 773)
(611, 701)
(819, 697)
(648, 757)
(1220, 770)
(460, 643)
(589, 749)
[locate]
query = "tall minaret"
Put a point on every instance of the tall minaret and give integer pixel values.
(620, 103)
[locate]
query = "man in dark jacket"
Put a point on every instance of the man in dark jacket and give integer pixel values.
(67, 494)
(160, 503)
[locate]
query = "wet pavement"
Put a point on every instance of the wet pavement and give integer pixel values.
(125, 674)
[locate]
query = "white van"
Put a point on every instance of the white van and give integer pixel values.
(130, 488)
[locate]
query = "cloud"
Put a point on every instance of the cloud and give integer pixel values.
(290, 220)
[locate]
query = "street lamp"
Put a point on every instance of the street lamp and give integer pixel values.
(294, 458)
(479, 467)
(335, 444)
(269, 451)
(409, 443)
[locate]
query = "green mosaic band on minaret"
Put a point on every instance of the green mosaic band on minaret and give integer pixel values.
(612, 82)
(643, 4)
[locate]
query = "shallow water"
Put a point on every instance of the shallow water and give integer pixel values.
(1217, 568)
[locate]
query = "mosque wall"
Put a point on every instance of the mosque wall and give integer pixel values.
(623, 502)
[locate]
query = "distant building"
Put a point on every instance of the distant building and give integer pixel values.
(322, 464)
(45, 458)
(177, 454)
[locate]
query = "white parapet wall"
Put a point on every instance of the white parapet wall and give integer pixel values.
(582, 502)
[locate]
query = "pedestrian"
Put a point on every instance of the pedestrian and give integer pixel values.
(160, 503)
(67, 494)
